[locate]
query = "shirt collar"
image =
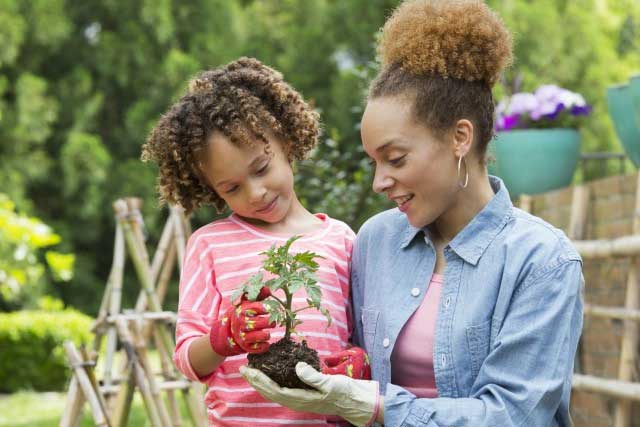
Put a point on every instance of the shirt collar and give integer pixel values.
(471, 242)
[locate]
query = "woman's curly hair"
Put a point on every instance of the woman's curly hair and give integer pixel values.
(446, 54)
(244, 100)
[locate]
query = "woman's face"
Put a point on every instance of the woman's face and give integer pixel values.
(412, 167)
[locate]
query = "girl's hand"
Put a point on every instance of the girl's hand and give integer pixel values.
(353, 362)
(241, 329)
(248, 324)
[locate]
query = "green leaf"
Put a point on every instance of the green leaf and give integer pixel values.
(326, 314)
(275, 284)
(314, 293)
(275, 311)
(274, 316)
(61, 265)
(309, 278)
(251, 287)
(307, 258)
(287, 245)
(295, 284)
(237, 293)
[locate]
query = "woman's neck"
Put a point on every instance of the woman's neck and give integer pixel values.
(469, 202)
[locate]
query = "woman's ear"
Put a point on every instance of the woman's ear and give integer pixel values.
(463, 137)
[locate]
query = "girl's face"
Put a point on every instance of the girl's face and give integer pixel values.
(255, 185)
(412, 167)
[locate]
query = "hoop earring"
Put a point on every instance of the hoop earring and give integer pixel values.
(466, 177)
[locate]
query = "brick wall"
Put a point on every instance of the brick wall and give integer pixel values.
(610, 215)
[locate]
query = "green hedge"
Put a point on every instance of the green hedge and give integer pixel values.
(31, 355)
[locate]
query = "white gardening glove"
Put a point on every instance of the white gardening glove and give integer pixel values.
(354, 400)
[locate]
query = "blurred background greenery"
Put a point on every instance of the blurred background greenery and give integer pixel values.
(82, 83)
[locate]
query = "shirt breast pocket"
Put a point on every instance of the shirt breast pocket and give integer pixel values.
(369, 326)
(479, 340)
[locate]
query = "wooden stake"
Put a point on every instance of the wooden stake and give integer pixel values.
(611, 312)
(609, 248)
(614, 388)
(525, 203)
(626, 369)
(579, 209)
(181, 241)
(139, 375)
(73, 409)
(115, 302)
(90, 393)
(576, 231)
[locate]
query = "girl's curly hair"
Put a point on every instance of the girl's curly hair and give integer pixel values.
(447, 55)
(244, 100)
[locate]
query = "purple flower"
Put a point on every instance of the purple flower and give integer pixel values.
(548, 102)
(521, 103)
(507, 122)
(577, 110)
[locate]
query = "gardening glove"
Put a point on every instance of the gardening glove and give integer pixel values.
(352, 362)
(241, 328)
(354, 400)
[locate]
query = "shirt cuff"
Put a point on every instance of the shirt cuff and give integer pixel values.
(186, 364)
(404, 408)
(376, 407)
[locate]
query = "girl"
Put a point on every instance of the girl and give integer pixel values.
(469, 308)
(230, 141)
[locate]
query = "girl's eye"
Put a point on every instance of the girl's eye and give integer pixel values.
(397, 161)
(263, 169)
(231, 189)
(371, 162)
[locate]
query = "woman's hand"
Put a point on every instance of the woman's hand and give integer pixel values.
(354, 400)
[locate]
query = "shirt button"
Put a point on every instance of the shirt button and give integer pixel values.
(415, 292)
(385, 342)
(443, 359)
(447, 301)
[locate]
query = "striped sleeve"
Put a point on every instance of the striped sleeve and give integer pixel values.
(198, 303)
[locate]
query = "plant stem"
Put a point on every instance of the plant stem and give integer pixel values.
(282, 303)
(303, 308)
(289, 320)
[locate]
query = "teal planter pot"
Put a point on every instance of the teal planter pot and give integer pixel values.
(634, 88)
(624, 108)
(532, 161)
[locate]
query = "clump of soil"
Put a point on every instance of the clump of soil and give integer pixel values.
(279, 362)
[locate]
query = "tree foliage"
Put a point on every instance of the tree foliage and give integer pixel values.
(23, 265)
(82, 83)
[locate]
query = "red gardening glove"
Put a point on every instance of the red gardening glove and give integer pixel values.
(352, 362)
(241, 328)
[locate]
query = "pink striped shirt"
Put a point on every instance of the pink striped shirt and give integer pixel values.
(412, 357)
(220, 257)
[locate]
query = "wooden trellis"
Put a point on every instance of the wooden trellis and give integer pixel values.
(625, 388)
(131, 330)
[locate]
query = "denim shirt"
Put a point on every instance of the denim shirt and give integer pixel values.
(509, 316)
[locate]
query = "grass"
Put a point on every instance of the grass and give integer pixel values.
(44, 409)
(33, 409)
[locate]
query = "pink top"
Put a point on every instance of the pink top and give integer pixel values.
(222, 255)
(412, 357)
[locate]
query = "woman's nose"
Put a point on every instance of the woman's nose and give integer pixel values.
(381, 181)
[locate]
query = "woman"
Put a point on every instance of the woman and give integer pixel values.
(469, 308)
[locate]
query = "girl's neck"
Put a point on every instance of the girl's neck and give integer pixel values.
(298, 220)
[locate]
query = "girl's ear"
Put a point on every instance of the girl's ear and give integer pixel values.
(463, 137)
